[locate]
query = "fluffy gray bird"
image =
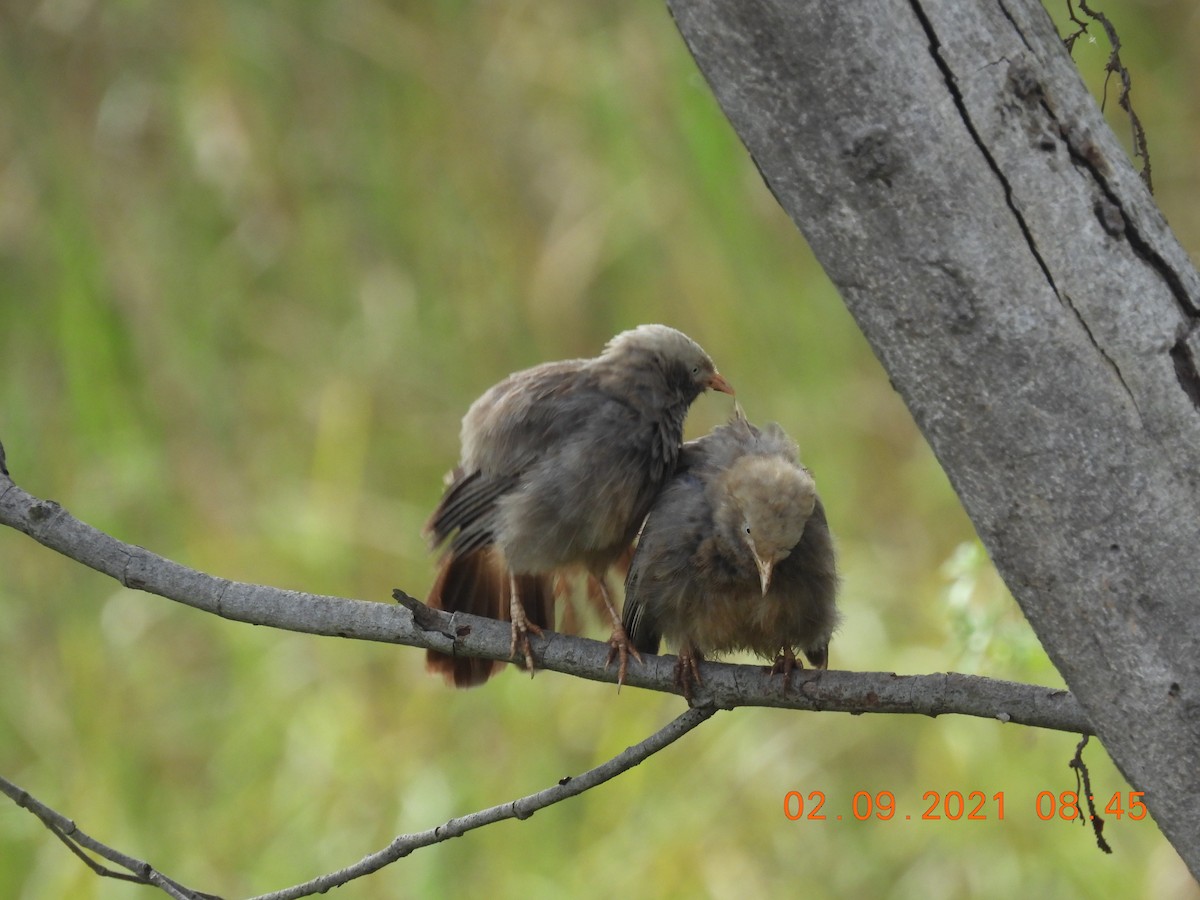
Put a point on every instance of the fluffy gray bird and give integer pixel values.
(735, 555)
(560, 464)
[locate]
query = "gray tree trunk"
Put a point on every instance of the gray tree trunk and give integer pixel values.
(1025, 295)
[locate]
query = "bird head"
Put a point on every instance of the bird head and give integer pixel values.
(768, 500)
(679, 358)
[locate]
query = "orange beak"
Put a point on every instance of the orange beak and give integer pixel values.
(718, 383)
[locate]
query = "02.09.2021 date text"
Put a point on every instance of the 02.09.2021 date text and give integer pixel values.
(975, 806)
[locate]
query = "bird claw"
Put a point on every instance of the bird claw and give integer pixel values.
(521, 627)
(620, 646)
(784, 665)
(687, 672)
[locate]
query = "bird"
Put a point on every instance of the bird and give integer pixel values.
(735, 554)
(559, 465)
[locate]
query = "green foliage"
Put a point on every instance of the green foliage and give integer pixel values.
(256, 259)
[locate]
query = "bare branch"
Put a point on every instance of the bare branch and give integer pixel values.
(415, 625)
(78, 842)
(522, 808)
(1114, 66)
(1083, 790)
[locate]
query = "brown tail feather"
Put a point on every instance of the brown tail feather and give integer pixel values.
(477, 583)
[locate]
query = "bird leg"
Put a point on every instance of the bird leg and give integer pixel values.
(521, 626)
(687, 670)
(619, 645)
(785, 662)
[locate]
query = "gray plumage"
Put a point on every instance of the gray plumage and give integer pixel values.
(559, 466)
(735, 554)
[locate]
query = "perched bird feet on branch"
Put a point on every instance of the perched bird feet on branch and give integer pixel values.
(521, 627)
(785, 663)
(687, 671)
(620, 647)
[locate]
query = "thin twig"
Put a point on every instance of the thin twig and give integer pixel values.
(1081, 28)
(141, 872)
(1114, 66)
(522, 808)
(1083, 790)
(79, 842)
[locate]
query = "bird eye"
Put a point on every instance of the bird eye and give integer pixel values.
(695, 370)
(747, 529)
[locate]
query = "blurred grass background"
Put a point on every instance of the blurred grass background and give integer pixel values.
(256, 259)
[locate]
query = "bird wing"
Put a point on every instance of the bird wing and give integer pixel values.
(468, 506)
(660, 576)
(513, 424)
(506, 431)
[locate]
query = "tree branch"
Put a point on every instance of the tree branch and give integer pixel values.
(413, 624)
(522, 808)
(78, 842)
(400, 847)
(1031, 306)
(1114, 66)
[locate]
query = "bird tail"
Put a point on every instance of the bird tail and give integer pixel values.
(643, 631)
(818, 655)
(478, 583)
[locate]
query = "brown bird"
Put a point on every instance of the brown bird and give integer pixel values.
(735, 554)
(559, 466)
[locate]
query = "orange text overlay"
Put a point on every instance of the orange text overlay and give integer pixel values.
(970, 806)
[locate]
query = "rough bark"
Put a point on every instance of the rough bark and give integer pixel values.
(1031, 306)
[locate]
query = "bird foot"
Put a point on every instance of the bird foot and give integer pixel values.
(619, 646)
(521, 627)
(687, 672)
(785, 663)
